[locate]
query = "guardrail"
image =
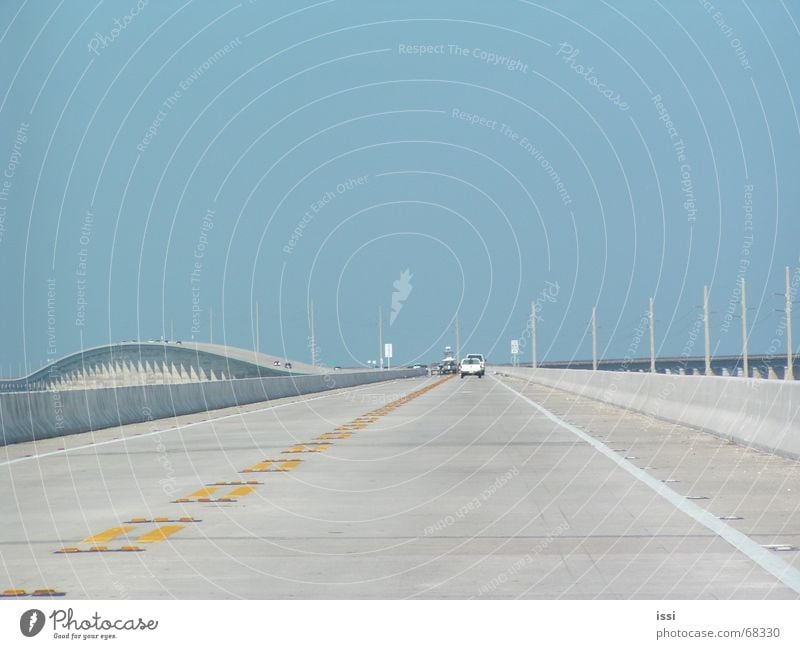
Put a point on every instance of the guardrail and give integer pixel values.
(758, 413)
(28, 416)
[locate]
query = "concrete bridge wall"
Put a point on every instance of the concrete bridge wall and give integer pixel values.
(759, 413)
(26, 416)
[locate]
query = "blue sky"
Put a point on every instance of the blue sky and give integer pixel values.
(164, 159)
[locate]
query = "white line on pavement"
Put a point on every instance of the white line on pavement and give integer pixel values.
(765, 558)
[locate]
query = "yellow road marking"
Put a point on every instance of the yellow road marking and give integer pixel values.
(260, 466)
(159, 534)
(287, 466)
(295, 449)
(109, 534)
(240, 492)
(205, 492)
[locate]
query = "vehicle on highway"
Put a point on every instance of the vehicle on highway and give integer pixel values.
(276, 363)
(448, 367)
(480, 358)
(471, 367)
(288, 366)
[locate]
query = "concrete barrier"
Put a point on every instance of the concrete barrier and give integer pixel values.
(27, 416)
(758, 413)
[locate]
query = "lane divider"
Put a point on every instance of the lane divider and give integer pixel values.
(98, 548)
(165, 519)
(208, 493)
(39, 592)
(266, 466)
(159, 534)
(108, 535)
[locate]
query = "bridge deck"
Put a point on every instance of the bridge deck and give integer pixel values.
(465, 490)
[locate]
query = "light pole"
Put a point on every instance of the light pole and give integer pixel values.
(745, 359)
(258, 329)
(380, 334)
(458, 340)
(313, 337)
(594, 338)
(534, 360)
(652, 339)
(706, 331)
(789, 347)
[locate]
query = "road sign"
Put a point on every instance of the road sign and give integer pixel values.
(514, 347)
(387, 350)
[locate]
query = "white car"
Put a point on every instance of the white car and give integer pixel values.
(480, 358)
(471, 366)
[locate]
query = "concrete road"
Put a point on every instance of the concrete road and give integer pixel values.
(431, 488)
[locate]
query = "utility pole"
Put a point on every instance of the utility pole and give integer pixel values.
(789, 347)
(652, 339)
(458, 340)
(706, 328)
(534, 360)
(210, 325)
(380, 334)
(313, 339)
(594, 338)
(258, 329)
(745, 360)
(172, 331)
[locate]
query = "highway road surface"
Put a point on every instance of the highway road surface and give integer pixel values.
(418, 488)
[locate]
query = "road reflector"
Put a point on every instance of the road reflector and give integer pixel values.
(164, 519)
(14, 592)
(46, 592)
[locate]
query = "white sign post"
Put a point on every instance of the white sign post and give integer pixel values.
(387, 352)
(514, 352)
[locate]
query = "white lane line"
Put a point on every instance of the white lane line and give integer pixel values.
(786, 573)
(132, 438)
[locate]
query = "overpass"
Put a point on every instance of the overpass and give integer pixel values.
(526, 483)
(152, 362)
